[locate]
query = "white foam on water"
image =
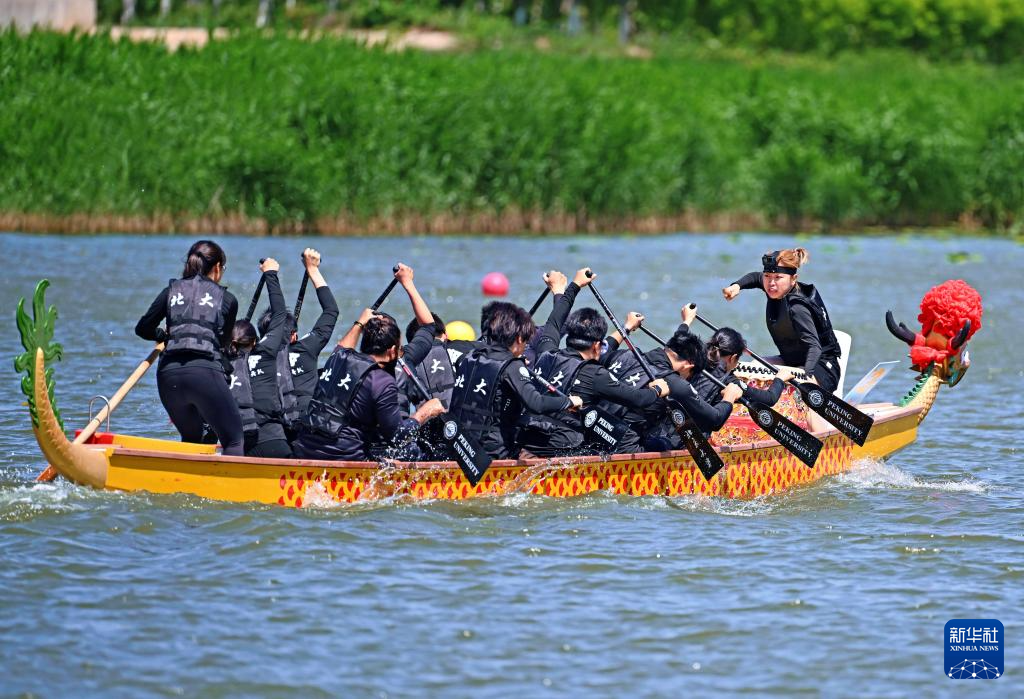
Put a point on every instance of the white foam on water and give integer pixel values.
(873, 474)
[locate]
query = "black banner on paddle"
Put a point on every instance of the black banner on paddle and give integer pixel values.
(466, 452)
(847, 419)
(603, 429)
(800, 443)
(704, 455)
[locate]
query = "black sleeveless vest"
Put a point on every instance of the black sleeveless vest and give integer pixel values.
(286, 388)
(437, 373)
(339, 382)
(473, 403)
(785, 335)
(195, 318)
(561, 368)
(241, 390)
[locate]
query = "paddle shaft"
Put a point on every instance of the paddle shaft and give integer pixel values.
(256, 294)
(50, 473)
(387, 292)
(539, 301)
(644, 364)
(300, 299)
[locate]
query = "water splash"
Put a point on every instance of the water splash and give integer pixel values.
(870, 474)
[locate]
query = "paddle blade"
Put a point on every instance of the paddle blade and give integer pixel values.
(704, 455)
(601, 428)
(846, 418)
(466, 452)
(802, 444)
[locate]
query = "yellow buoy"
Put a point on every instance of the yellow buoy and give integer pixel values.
(460, 330)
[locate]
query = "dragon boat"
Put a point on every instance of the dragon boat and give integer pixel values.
(755, 465)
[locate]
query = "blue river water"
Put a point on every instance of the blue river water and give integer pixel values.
(840, 588)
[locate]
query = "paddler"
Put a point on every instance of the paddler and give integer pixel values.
(493, 384)
(354, 413)
(796, 316)
(192, 374)
(576, 370)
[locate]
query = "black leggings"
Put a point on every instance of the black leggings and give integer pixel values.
(196, 395)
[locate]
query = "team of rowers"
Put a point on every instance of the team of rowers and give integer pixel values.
(259, 390)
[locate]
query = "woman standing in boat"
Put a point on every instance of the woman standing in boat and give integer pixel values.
(191, 377)
(797, 318)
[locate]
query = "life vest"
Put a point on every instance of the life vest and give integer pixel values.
(785, 335)
(473, 404)
(241, 391)
(437, 373)
(564, 430)
(195, 318)
(623, 365)
(286, 389)
(340, 380)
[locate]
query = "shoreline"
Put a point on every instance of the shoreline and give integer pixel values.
(511, 223)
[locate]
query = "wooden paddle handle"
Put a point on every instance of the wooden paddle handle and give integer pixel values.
(50, 473)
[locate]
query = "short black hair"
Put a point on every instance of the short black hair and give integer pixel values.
(690, 348)
(414, 325)
(264, 323)
(506, 323)
(583, 328)
(380, 334)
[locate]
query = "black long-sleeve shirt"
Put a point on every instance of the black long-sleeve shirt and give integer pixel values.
(148, 328)
(708, 417)
(304, 353)
(803, 321)
(550, 335)
(266, 397)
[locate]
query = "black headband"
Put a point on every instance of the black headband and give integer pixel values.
(771, 264)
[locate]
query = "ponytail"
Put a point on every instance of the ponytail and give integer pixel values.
(795, 257)
(726, 342)
(202, 257)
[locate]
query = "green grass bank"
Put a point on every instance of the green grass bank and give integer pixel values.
(277, 134)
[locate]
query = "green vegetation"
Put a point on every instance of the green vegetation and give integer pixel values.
(978, 29)
(294, 131)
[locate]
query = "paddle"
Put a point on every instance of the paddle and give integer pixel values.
(539, 301)
(846, 418)
(387, 292)
(597, 423)
(50, 472)
(300, 299)
(798, 441)
(466, 452)
(256, 294)
(704, 455)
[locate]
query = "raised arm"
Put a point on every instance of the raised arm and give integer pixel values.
(404, 275)
(352, 336)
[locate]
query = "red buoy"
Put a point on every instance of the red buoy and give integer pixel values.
(494, 284)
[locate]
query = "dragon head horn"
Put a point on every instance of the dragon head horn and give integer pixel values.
(961, 337)
(901, 331)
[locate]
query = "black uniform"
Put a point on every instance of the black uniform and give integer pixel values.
(658, 430)
(562, 434)
(192, 374)
(800, 326)
(241, 390)
(304, 353)
(353, 415)
(492, 388)
(271, 441)
(710, 391)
